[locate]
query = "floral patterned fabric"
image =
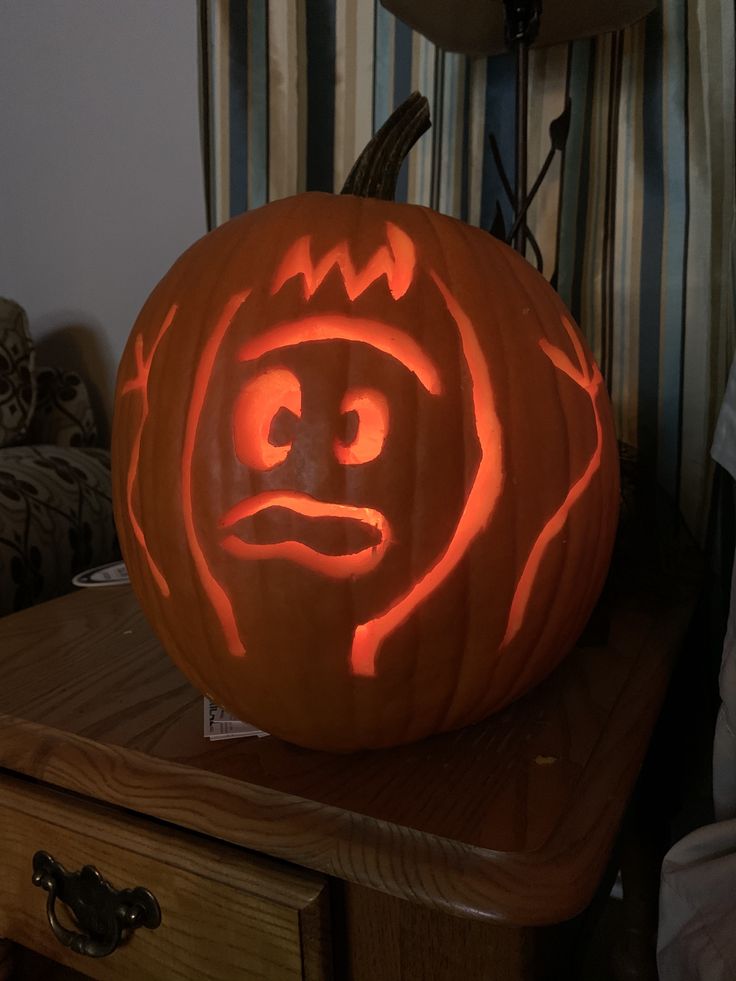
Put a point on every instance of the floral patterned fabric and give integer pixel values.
(55, 520)
(55, 498)
(63, 415)
(17, 388)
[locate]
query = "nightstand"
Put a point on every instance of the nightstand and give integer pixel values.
(449, 858)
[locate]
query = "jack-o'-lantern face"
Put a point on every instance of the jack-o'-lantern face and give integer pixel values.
(368, 491)
(323, 407)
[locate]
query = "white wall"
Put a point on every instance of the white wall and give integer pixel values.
(100, 167)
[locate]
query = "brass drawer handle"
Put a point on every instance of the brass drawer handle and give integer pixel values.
(105, 916)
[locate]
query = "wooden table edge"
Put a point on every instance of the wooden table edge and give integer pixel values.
(458, 878)
(544, 886)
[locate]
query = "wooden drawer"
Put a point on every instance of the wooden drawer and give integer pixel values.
(225, 913)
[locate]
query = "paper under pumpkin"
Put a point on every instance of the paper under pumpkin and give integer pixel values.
(365, 471)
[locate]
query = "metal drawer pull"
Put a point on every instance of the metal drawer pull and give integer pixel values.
(105, 916)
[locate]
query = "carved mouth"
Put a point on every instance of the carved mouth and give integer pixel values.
(337, 540)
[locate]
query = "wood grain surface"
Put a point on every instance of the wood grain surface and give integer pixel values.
(225, 913)
(395, 940)
(510, 820)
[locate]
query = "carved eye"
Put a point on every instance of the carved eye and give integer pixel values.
(263, 418)
(366, 423)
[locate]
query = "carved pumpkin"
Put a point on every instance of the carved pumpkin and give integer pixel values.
(365, 471)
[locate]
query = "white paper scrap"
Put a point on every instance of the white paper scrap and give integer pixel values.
(110, 574)
(219, 724)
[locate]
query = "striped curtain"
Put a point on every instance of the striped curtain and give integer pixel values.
(634, 221)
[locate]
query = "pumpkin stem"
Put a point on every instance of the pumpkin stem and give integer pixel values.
(376, 171)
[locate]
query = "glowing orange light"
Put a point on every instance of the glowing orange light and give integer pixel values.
(590, 380)
(140, 384)
(371, 409)
(255, 409)
(335, 566)
(334, 327)
(479, 507)
(396, 261)
(215, 593)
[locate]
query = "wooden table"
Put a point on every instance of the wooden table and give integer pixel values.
(436, 860)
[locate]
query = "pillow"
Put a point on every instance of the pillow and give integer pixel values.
(63, 415)
(17, 381)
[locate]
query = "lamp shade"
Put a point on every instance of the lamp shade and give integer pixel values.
(476, 27)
